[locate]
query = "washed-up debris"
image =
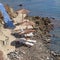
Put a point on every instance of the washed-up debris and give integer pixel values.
(10, 11)
(23, 41)
(29, 36)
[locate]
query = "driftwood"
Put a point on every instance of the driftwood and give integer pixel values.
(1, 17)
(26, 31)
(10, 11)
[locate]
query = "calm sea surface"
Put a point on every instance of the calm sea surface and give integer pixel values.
(50, 8)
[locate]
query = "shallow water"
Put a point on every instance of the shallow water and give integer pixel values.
(55, 41)
(50, 8)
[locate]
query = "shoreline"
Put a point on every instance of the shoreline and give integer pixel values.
(40, 50)
(47, 43)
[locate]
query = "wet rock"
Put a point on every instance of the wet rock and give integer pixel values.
(44, 23)
(55, 55)
(20, 5)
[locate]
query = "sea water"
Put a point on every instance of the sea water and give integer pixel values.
(45, 8)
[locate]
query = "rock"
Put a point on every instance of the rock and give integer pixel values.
(16, 55)
(39, 51)
(20, 5)
(1, 55)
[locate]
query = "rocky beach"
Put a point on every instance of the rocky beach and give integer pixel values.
(39, 51)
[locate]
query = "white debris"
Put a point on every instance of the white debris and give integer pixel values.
(27, 43)
(32, 41)
(29, 34)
